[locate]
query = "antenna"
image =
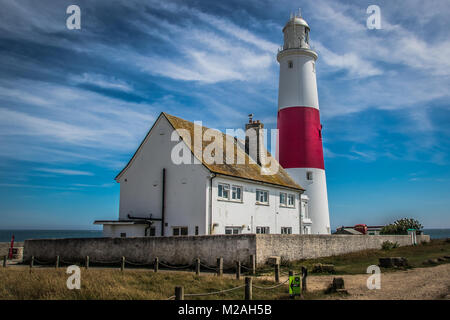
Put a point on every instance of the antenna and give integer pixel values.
(299, 12)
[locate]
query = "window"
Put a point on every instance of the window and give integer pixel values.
(286, 230)
(151, 232)
(283, 200)
(305, 213)
(196, 230)
(262, 196)
(180, 231)
(291, 200)
(236, 193)
(232, 230)
(224, 191)
(262, 230)
(290, 64)
(123, 235)
(309, 175)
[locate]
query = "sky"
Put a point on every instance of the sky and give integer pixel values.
(75, 104)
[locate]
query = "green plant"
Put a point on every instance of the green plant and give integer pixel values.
(401, 226)
(388, 245)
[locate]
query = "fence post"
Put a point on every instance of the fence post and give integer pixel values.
(197, 266)
(122, 266)
(31, 263)
(277, 273)
(57, 262)
(87, 262)
(304, 275)
(179, 293)
(248, 288)
(220, 266)
(4, 261)
(252, 264)
(238, 270)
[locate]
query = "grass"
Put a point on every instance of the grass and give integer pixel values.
(357, 262)
(105, 284)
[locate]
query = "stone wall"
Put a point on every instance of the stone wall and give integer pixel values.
(173, 250)
(296, 247)
(183, 250)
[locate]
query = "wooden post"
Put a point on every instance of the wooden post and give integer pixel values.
(179, 293)
(304, 275)
(277, 273)
(252, 264)
(291, 273)
(197, 266)
(122, 266)
(31, 263)
(4, 261)
(238, 270)
(87, 262)
(57, 262)
(220, 266)
(248, 288)
(156, 265)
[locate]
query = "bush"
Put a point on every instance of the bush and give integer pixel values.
(401, 226)
(388, 245)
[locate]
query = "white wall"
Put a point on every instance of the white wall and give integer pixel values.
(250, 214)
(114, 231)
(141, 185)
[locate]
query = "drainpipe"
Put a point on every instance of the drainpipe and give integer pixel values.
(163, 203)
(213, 175)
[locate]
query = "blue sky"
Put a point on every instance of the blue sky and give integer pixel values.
(75, 104)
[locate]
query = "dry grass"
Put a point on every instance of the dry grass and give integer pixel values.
(105, 284)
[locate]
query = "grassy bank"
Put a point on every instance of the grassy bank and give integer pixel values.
(49, 283)
(357, 262)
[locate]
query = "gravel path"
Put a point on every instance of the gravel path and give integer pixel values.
(419, 283)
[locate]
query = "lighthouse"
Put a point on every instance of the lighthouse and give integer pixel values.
(300, 149)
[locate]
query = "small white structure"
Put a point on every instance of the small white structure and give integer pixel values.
(159, 196)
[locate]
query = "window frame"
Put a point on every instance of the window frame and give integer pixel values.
(290, 196)
(225, 187)
(284, 229)
(283, 204)
(241, 199)
(261, 228)
(308, 175)
(233, 229)
(259, 191)
(180, 229)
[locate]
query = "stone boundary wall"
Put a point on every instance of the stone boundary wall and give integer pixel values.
(296, 247)
(173, 250)
(183, 250)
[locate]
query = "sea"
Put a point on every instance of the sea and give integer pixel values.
(21, 235)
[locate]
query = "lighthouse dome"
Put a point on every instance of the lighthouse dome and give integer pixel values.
(296, 33)
(296, 21)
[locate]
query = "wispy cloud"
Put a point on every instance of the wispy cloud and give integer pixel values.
(67, 172)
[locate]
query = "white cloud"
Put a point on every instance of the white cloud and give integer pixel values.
(67, 172)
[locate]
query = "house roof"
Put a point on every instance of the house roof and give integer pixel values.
(248, 170)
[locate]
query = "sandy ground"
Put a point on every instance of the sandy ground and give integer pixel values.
(419, 283)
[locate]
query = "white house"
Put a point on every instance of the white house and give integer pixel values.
(163, 196)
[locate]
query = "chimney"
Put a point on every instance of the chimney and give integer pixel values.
(254, 139)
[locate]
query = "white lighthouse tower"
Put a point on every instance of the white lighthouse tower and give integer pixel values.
(300, 149)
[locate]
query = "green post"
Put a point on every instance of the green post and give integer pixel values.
(156, 264)
(87, 262)
(122, 266)
(248, 288)
(57, 262)
(179, 293)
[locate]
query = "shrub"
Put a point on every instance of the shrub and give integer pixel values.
(388, 245)
(401, 226)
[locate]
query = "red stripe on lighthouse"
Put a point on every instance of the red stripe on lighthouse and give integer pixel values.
(300, 138)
